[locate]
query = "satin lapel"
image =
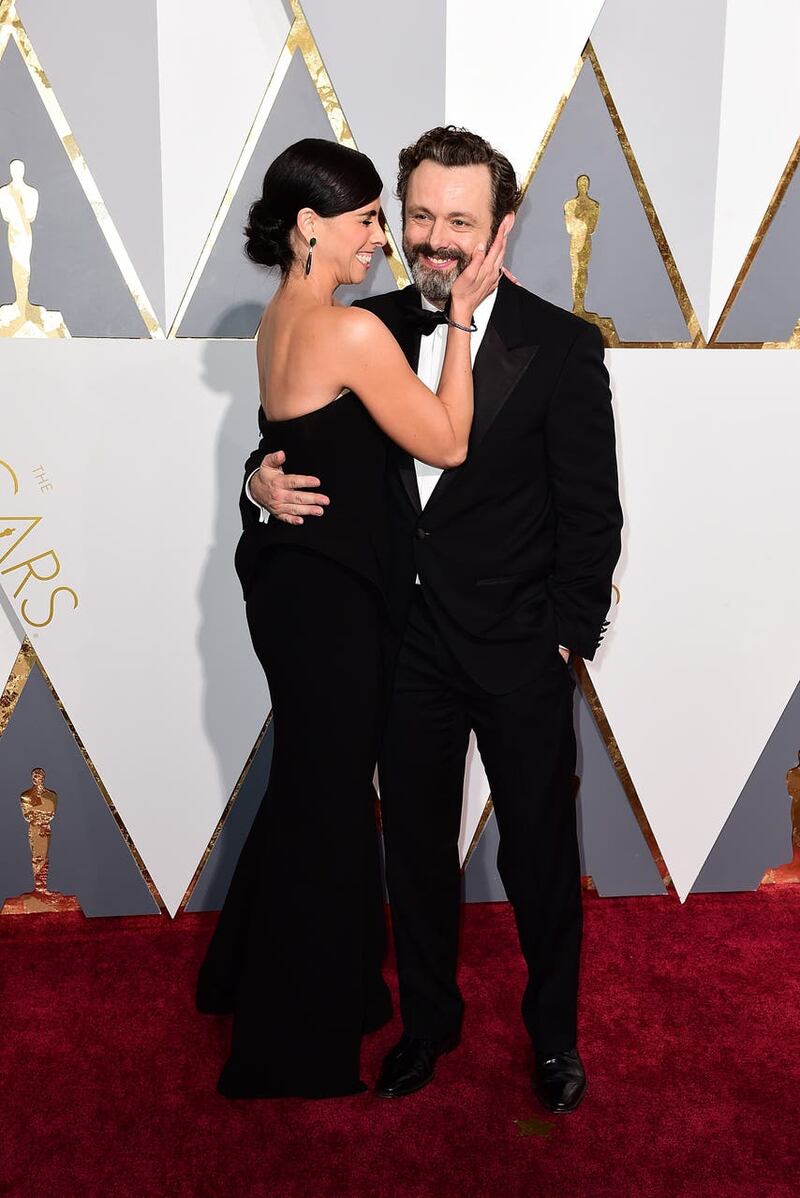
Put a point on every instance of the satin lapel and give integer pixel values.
(408, 476)
(504, 356)
(408, 339)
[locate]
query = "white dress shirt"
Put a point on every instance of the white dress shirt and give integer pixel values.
(429, 370)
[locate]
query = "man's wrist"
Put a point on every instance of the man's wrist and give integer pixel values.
(263, 511)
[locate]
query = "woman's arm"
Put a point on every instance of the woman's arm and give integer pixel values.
(432, 427)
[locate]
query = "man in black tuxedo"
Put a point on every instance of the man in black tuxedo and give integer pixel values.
(501, 568)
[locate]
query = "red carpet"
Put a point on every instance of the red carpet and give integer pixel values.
(690, 1022)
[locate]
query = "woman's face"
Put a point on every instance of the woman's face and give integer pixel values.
(347, 242)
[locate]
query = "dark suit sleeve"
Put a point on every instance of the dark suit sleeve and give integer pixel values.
(250, 513)
(583, 476)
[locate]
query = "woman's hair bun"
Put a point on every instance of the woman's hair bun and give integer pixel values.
(314, 173)
(267, 237)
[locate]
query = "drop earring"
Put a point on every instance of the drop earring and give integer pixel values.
(311, 245)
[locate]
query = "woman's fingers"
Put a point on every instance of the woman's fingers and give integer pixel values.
(494, 258)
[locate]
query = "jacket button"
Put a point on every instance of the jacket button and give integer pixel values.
(421, 534)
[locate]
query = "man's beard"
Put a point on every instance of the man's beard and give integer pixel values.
(435, 285)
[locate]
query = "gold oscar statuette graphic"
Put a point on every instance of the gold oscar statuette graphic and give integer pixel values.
(39, 809)
(19, 203)
(790, 872)
(581, 214)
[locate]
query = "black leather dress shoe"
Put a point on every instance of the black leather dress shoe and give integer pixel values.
(559, 1081)
(410, 1065)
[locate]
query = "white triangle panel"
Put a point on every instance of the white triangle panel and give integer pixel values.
(476, 793)
(760, 125)
(663, 66)
(143, 442)
(507, 69)
(215, 62)
(704, 651)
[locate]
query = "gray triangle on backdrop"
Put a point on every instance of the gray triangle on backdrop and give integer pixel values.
(613, 850)
(88, 854)
(116, 119)
(232, 291)
(627, 279)
(482, 882)
(382, 129)
(767, 307)
(757, 834)
(212, 885)
(72, 268)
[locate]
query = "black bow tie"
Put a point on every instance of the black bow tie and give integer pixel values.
(424, 321)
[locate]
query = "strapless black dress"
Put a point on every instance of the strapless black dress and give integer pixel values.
(296, 955)
(342, 446)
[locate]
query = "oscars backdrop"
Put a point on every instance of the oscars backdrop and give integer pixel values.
(658, 147)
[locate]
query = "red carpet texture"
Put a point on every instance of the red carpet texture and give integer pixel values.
(690, 1020)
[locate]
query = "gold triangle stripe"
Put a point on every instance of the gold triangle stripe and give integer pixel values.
(243, 161)
(26, 659)
(300, 35)
(687, 311)
(548, 133)
(772, 207)
(301, 40)
(595, 706)
(604, 728)
(482, 822)
(223, 818)
(15, 683)
(12, 26)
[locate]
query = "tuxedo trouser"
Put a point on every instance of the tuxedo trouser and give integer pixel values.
(527, 743)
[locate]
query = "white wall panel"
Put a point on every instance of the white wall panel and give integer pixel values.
(214, 66)
(476, 792)
(704, 651)
(760, 124)
(143, 442)
(508, 67)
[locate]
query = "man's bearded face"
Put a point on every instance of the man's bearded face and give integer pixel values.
(448, 213)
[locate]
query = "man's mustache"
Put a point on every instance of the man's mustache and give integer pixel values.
(442, 255)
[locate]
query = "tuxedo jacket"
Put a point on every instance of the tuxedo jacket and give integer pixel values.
(516, 547)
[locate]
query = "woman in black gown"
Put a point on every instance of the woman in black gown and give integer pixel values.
(296, 955)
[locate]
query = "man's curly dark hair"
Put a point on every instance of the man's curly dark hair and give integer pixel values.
(450, 146)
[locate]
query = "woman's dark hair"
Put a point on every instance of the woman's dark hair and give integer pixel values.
(313, 173)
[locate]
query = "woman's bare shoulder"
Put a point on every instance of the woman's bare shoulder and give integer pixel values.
(353, 325)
